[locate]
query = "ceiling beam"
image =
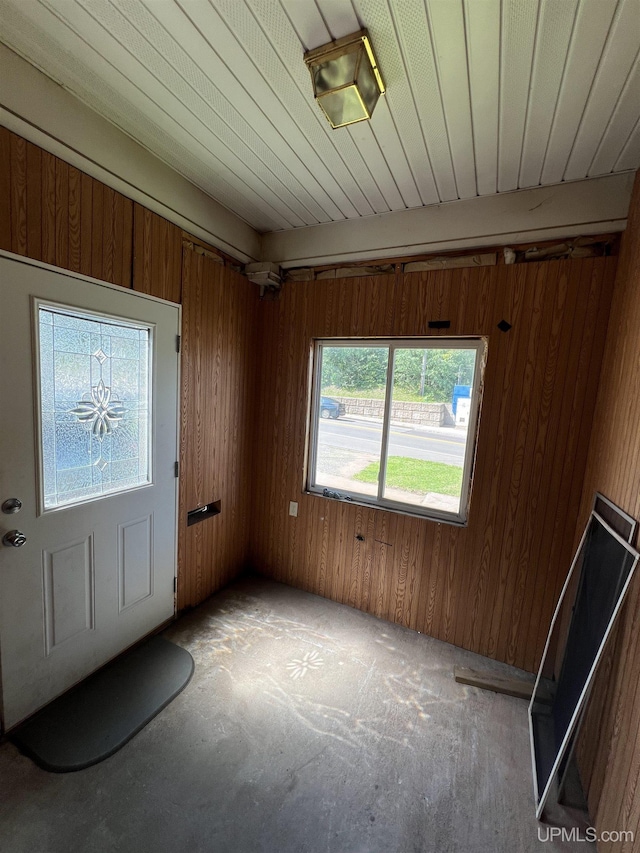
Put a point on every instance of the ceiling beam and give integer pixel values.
(35, 107)
(579, 208)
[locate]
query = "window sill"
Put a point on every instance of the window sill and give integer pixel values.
(398, 509)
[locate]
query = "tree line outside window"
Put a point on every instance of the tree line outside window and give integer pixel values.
(429, 376)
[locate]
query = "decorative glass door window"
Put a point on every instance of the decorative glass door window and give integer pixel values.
(95, 405)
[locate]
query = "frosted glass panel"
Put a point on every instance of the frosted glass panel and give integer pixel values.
(94, 406)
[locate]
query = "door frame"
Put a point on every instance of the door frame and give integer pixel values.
(32, 262)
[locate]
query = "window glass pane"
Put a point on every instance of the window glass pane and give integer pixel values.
(349, 415)
(94, 406)
(429, 421)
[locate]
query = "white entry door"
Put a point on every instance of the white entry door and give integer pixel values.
(88, 420)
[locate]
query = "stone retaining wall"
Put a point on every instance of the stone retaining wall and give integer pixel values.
(427, 414)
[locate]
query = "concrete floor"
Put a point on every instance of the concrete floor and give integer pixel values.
(308, 727)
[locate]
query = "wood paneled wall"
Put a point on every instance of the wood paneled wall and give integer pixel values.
(490, 587)
(219, 325)
(609, 753)
(218, 425)
(157, 255)
(52, 212)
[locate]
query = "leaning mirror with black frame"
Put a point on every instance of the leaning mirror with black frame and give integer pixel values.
(589, 603)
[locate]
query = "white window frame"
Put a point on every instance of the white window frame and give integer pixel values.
(379, 501)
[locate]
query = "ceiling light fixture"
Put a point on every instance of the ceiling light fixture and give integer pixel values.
(346, 79)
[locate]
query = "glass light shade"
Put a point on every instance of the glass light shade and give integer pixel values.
(346, 81)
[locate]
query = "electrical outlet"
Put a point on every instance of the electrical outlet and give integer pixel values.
(293, 508)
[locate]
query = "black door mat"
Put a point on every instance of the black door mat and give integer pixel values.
(96, 718)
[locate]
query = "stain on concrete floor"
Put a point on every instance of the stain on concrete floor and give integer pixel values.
(308, 727)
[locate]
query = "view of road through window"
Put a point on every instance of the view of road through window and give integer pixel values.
(349, 447)
(427, 430)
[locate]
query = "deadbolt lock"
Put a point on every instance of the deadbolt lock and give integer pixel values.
(14, 538)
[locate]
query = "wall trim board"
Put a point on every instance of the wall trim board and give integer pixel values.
(40, 110)
(572, 209)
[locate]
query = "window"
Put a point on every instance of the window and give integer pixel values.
(94, 413)
(393, 423)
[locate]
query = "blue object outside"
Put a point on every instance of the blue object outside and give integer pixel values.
(458, 392)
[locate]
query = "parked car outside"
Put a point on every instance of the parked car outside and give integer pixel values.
(330, 408)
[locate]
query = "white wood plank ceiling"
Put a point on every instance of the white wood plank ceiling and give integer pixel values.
(483, 96)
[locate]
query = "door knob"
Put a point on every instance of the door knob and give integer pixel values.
(11, 505)
(14, 538)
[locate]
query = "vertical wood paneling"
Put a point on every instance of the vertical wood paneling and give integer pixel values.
(126, 278)
(475, 586)
(18, 195)
(219, 326)
(157, 262)
(34, 194)
(487, 477)
(108, 234)
(609, 747)
(97, 245)
(52, 212)
(86, 210)
(218, 375)
(62, 215)
(48, 208)
(75, 218)
(525, 310)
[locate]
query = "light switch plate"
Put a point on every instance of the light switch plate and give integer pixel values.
(293, 508)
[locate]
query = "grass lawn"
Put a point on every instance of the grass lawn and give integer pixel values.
(416, 475)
